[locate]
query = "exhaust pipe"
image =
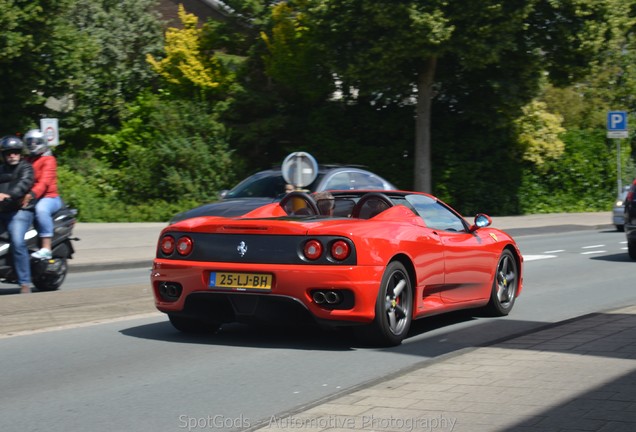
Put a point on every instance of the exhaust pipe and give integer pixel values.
(328, 297)
(332, 297)
(170, 291)
(319, 297)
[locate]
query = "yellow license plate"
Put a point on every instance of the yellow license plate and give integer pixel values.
(241, 281)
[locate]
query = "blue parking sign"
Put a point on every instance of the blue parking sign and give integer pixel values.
(617, 121)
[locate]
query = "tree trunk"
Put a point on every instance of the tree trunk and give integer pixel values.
(423, 178)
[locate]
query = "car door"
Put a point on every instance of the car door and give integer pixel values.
(468, 265)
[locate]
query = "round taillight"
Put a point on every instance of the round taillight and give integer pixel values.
(312, 249)
(340, 250)
(167, 245)
(184, 245)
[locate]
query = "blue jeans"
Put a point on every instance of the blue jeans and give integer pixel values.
(18, 223)
(44, 210)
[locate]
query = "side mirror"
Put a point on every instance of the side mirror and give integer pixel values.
(481, 221)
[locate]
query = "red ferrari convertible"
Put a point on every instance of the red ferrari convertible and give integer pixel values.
(372, 260)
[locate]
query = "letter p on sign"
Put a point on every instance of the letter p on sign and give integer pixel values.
(617, 121)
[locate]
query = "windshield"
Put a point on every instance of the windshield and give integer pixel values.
(435, 214)
(265, 184)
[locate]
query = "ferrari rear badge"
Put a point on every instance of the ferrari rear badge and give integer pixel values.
(242, 248)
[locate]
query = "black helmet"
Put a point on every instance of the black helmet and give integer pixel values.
(11, 142)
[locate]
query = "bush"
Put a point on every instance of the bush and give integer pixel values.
(98, 201)
(582, 180)
(169, 149)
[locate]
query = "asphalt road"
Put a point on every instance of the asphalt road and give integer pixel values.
(113, 260)
(140, 374)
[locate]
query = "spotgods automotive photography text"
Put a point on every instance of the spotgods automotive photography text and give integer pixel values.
(360, 422)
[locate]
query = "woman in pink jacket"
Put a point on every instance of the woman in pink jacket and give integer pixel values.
(44, 189)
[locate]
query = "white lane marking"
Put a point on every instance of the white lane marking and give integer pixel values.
(537, 257)
(550, 253)
(593, 247)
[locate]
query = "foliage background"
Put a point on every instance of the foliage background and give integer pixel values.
(155, 118)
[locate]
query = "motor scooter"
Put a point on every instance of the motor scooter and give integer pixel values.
(46, 274)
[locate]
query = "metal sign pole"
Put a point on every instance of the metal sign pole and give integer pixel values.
(617, 129)
(299, 170)
(618, 168)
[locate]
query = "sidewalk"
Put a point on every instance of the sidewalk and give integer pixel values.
(108, 246)
(579, 375)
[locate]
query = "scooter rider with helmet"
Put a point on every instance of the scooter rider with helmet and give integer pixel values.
(16, 180)
(44, 190)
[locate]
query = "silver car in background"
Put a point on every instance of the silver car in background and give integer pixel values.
(618, 212)
(269, 186)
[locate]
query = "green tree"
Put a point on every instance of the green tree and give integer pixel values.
(394, 52)
(580, 180)
(175, 150)
(538, 131)
(41, 53)
(610, 85)
(186, 66)
(78, 60)
(278, 82)
(611, 81)
(292, 60)
(118, 34)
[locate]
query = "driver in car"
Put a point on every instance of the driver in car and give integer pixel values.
(326, 202)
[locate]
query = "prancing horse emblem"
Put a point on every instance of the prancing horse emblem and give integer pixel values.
(242, 248)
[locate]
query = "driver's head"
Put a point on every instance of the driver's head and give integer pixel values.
(11, 147)
(325, 202)
(374, 207)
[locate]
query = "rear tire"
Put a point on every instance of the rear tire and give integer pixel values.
(393, 309)
(193, 325)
